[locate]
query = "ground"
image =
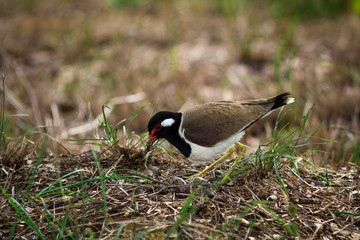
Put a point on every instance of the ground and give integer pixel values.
(63, 60)
(145, 201)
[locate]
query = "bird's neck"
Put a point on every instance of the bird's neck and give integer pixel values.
(175, 139)
(180, 144)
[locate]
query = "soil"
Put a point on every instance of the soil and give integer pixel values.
(147, 199)
(64, 60)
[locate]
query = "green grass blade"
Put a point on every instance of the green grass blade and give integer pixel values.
(290, 228)
(302, 127)
(103, 189)
(13, 229)
(279, 177)
(36, 165)
(184, 213)
(118, 232)
(45, 190)
(62, 225)
(48, 216)
(156, 106)
(310, 137)
(294, 164)
(83, 205)
(134, 115)
(23, 214)
(106, 125)
(310, 164)
(347, 213)
(240, 170)
(65, 192)
(57, 142)
(238, 218)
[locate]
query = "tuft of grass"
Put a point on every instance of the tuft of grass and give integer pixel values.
(287, 146)
(112, 132)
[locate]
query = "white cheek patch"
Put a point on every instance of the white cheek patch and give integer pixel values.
(167, 122)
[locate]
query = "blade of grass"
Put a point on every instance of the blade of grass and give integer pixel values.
(36, 166)
(83, 208)
(118, 232)
(103, 189)
(62, 225)
(45, 190)
(290, 228)
(279, 177)
(184, 213)
(156, 106)
(239, 218)
(294, 164)
(135, 114)
(347, 213)
(15, 223)
(65, 192)
(302, 127)
(23, 214)
(107, 126)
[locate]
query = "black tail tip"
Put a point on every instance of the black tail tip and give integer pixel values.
(282, 100)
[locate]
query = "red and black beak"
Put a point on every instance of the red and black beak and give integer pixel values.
(152, 139)
(150, 143)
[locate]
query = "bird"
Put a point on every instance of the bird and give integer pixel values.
(208, 131)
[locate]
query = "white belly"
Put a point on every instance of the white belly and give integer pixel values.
(204, 155)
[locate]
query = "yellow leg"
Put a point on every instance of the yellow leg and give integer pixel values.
(229, 152)
(243, 149)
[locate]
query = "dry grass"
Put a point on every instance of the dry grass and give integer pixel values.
(145, 202)
(64, 60)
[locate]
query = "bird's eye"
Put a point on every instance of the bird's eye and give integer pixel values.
(157, 127)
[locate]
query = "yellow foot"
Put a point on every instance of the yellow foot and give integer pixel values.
(229, 152)
(243, 149)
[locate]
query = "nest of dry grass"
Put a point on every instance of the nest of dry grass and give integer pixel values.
(147, 203)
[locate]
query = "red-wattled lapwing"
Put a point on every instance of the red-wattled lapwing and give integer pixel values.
(205, 132)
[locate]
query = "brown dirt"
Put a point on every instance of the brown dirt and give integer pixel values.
(152, 206)
(64, 59)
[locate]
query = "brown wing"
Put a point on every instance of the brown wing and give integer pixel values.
(210, 123)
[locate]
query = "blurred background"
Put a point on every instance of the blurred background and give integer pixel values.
(62, 60)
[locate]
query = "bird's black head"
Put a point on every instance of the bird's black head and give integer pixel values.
(163, 125)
